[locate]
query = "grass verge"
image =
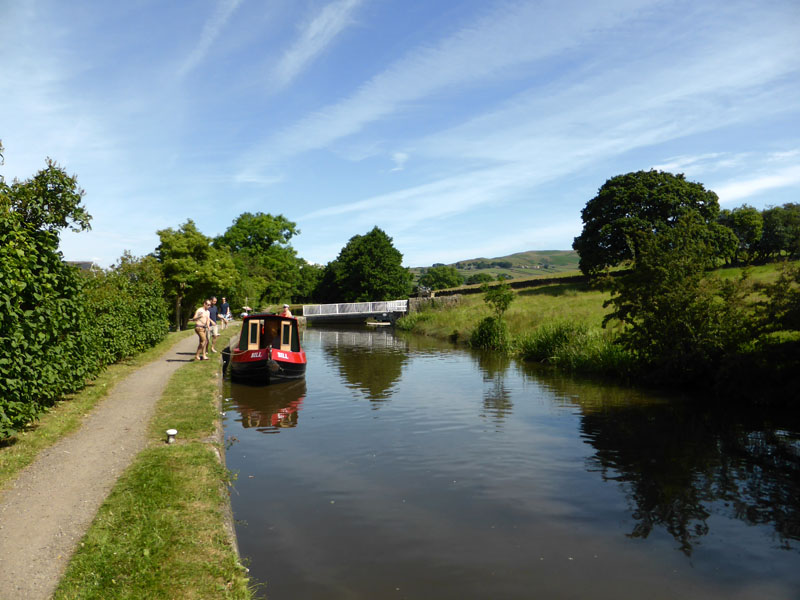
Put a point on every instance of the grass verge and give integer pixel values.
(67, 415)
(162, 532)
(559, 324)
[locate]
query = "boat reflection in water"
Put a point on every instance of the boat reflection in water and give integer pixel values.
(268, 409)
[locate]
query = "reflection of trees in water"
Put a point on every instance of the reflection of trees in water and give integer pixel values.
(680, 463)
(676, 462)
(369, 360)
(496, 397)
(372, 371)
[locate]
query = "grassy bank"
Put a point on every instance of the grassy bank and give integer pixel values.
(163, 531)
(67, 415)
(560, 325)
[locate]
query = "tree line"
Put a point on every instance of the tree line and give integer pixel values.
(60, 326)
(254, 262)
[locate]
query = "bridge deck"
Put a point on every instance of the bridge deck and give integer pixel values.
(392, 308)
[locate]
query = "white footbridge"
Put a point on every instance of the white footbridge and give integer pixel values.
(385, 311)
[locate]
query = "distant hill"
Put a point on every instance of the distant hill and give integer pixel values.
(534, 263)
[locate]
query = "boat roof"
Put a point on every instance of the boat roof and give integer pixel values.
(266, 315)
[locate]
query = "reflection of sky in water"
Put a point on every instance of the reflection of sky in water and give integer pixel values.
(475, 479)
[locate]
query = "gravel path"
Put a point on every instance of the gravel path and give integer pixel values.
(45, 512)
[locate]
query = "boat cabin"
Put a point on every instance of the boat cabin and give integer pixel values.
(262, 331)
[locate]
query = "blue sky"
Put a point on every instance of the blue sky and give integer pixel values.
(462, 129)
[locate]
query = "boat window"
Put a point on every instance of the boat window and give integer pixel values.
(253, 338)
(286, 335)
(243, 338)
(295, 339)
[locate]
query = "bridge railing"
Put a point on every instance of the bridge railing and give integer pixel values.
(355, 308)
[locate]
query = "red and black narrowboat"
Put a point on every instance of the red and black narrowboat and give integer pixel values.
(268, 350)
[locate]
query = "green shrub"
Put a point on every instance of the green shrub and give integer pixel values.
(491, 334)
(58, 328)
(127, 308)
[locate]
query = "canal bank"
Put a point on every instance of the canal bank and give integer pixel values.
(162, 530)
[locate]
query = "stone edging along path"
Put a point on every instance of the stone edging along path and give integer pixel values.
(48, 508)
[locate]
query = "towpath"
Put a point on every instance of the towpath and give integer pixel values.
(48, 508)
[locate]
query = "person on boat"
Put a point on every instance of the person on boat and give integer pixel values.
(201, 324)
(286, 312)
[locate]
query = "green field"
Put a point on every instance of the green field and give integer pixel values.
(534, 263)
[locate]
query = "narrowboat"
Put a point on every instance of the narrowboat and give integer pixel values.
(267, 350)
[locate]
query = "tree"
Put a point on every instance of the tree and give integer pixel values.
(269, 270)
(310, 276)
(257, 233)
(479, 278)
(368, 268)
(781, 233)
(192, 268)
(635, 203)
(678, 322)
(441, 277)
(747, 225)
(49, 201)
(499, 297)
(492, 332)
(775, 234)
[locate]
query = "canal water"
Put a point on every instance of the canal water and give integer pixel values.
(408, 468)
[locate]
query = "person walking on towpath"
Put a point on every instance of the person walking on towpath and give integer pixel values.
(202, 321)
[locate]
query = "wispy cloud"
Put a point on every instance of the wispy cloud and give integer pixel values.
(400, 159)
(211, 31)
(497, 43)
(738, 190)
(315, 36)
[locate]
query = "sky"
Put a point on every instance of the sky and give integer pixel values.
(463, 129)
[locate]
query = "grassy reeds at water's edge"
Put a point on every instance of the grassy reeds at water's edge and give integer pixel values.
(164, 531)
(558, 324)
(561, 325)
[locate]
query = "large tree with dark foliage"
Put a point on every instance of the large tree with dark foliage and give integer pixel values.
(679, 323)
(635, 203)
(269, 269)
(368, 268)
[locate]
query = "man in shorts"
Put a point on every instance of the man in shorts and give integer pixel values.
(201, 322)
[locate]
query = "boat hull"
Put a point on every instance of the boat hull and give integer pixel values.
(259, 367)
